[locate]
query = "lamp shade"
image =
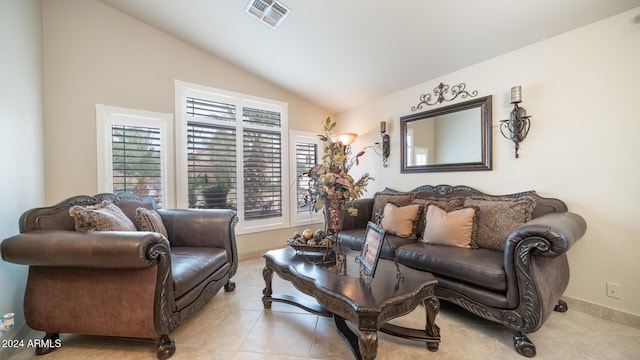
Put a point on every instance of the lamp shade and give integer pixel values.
(346, 138)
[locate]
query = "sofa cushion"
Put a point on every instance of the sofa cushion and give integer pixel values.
(150, 220)
(191, 265)
(455, 228)
(497, 217)
(481, 267)
(447, 204)
(380, 199)
(401, 220)
(354, 238)
(100, 217)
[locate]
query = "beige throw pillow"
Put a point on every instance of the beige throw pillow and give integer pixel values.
(380, 199)
(400, 221)
(101, 217)
(150, 220)
(455, 228)
(446, 204)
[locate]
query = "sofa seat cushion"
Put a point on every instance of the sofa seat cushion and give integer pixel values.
(191, 265)
(481, 267)
(353, 239)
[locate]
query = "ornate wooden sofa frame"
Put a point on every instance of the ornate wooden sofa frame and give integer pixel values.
(533, 265)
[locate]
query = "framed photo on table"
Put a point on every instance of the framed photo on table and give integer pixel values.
(373, 240)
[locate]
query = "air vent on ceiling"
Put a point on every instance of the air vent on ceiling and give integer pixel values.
(270, 12)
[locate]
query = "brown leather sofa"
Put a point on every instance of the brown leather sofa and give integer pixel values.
(121, 283)
(518, 287)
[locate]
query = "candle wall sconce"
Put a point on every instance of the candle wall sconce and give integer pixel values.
(384, 147)
(517, 126)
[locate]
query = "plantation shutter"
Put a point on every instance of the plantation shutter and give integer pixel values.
(211, 154)
(136, 159)
(235, 156)
(211, 157)
(306, 158)
(262, 164)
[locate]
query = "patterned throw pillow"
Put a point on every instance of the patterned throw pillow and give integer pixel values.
(101, 217)
(400, 221)
(380, 199)
(454, 228)
(150, 220)
(497, 217)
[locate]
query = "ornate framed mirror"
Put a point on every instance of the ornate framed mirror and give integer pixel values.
(451, 138)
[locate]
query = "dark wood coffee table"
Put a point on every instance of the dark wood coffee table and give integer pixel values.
(342, 293)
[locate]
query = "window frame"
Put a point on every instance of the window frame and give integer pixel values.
(311, 217)
(183, 90)
(106, 117)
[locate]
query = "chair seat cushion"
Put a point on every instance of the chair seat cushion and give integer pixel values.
(481, 267)
(190, 266)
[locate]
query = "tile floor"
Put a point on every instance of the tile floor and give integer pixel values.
(236, 326)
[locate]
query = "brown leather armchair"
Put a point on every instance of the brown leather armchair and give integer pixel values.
(121, 283)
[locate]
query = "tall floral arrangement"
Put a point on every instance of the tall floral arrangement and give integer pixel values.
(331, 185)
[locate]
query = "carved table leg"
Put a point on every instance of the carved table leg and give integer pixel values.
(368, 344)
(267, 273)
(432, 307)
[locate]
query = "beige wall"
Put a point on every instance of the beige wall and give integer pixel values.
(580, 87)
(21, 150)
(582, 90)
(94, 54)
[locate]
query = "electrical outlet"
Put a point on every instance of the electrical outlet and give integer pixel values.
(614, 290)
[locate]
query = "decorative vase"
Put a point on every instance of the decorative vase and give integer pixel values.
(334, 213)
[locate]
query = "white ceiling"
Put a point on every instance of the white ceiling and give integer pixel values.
(342, 53)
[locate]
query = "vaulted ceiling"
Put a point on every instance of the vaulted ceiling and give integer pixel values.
(342, 53)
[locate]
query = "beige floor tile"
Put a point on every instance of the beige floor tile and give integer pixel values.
(236, 326)
(327, 343)
(225, 330)
(261, 356)
(282, 333)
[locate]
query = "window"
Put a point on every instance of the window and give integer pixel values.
(305, 154)
(133, 148)
(231, 155)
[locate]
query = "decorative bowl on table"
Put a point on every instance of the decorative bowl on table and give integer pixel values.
(310, 241)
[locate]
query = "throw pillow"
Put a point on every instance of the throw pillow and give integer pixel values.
(380, 199)
(101, 217)
(497, 217)
(150, 220)
(446, 204)
(400, 221)
(454, 228)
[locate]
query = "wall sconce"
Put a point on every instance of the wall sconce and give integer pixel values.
(384, 146)
(346, 139)
(517, 126)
